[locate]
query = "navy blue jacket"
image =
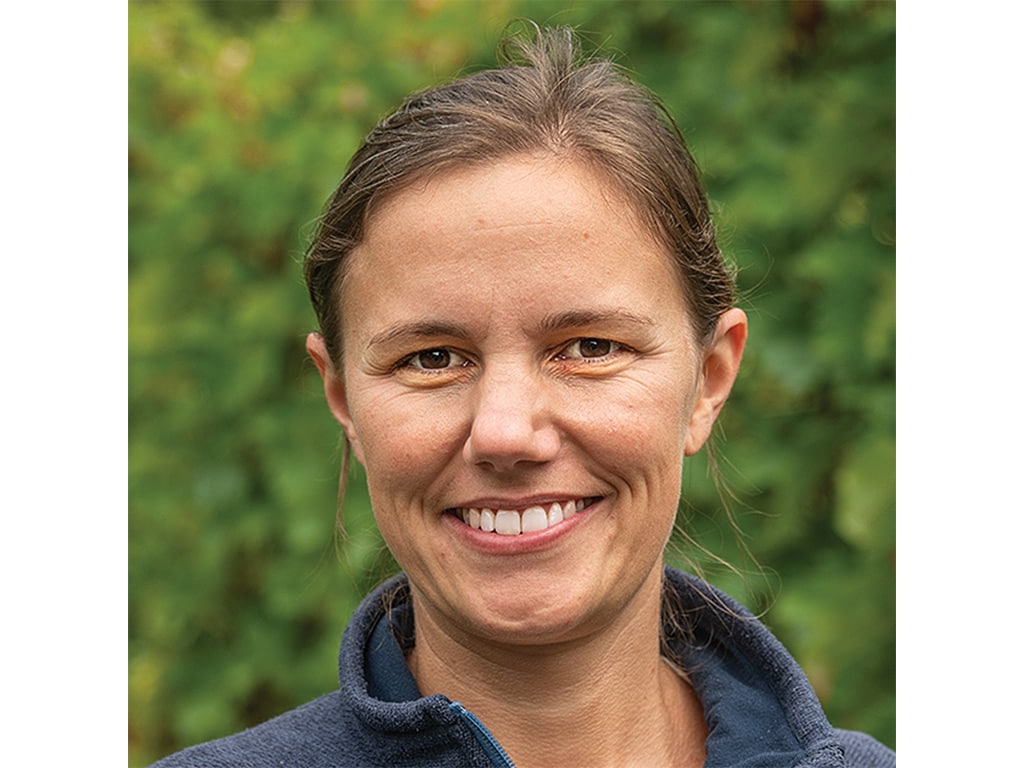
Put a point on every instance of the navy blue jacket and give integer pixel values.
(760, 709)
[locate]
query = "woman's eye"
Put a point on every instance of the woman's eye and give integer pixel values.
(590, 348)
(436, 359)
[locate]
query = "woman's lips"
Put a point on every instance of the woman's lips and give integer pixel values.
(513, 522)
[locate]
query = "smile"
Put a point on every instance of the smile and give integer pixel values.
(513, 522)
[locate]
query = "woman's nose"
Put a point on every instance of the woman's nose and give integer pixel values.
(512, 425)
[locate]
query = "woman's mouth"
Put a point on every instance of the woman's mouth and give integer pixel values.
(513, 522)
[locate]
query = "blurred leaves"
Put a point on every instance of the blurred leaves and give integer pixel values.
(242, 117)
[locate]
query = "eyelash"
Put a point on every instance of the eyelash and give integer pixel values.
(615, 347)
(411, 360)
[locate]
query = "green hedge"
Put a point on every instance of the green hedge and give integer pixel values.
(241, 119)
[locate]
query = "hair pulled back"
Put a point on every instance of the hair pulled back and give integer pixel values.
(545, 97)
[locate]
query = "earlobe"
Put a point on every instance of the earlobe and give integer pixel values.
(721, 364)
(334, 389)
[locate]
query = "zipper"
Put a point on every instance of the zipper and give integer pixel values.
(495, 752)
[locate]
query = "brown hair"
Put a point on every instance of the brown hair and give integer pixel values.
(544, 98)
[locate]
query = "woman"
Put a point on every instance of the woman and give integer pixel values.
(525, 326)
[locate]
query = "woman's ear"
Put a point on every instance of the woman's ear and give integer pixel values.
(334, 389)
(721, 364)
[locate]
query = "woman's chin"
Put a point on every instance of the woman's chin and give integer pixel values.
(527, 612)
(527, 624)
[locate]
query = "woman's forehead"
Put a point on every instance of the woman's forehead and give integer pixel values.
(517, 237)
(507, 190)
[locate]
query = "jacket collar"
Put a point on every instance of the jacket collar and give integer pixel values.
(759, 705)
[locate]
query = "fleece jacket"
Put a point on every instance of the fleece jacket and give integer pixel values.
(760, 708)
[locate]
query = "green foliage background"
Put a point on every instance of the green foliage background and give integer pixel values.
(242, 117)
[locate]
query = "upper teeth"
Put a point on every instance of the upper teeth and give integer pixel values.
(512, 522)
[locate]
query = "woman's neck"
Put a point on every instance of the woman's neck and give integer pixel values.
(604, 699)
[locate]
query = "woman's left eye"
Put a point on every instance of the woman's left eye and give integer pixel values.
(588, 349)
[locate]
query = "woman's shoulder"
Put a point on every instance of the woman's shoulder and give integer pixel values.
(305, 736)
(863, 751)
(746, 677)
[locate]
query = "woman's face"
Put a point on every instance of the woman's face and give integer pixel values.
(518, 355)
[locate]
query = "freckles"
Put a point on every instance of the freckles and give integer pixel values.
(408, 434)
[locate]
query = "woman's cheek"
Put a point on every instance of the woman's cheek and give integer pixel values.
(405, 448)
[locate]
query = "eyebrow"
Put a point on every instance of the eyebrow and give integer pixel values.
(421, 330)
(582, 318)
(559, 321)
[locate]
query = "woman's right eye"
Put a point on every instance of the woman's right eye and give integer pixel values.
(438, 359)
